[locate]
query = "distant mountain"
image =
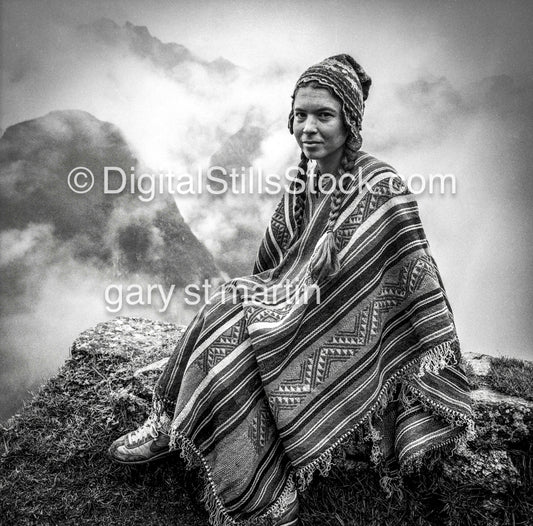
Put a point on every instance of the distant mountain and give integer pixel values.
(36, 157)
(111, 230)
(143, 44)
(238, 151)
(60, 249)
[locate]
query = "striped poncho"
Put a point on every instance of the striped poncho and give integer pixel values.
(275, 372)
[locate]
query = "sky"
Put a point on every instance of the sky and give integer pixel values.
(451, 94)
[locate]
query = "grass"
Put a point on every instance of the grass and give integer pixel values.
(511, 376)
(54, 471)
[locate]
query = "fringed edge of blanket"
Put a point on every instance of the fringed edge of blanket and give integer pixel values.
(218, 514)
(433, 361)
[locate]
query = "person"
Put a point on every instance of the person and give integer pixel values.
(343, 328)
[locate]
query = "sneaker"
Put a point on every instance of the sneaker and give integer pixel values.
(148, 442)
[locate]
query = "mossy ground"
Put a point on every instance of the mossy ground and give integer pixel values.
(511, 376)
(54, 470)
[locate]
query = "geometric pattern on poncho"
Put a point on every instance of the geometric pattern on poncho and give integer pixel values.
(379, 194)
(260, 428)
(266, 315)
(345, 344)
(279, 229)
(222, 346)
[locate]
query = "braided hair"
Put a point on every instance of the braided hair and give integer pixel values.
(325, 261)
(300, 199)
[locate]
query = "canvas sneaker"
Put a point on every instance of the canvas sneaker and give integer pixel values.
(148, 442)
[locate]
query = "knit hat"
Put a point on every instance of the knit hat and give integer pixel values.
(347, 79)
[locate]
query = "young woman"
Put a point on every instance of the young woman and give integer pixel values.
(344, 325)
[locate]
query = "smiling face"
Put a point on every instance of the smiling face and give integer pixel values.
(319, 127)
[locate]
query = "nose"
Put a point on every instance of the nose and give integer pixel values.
(309, 125)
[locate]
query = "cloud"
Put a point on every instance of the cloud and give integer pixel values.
(417, 114)
(480, 135)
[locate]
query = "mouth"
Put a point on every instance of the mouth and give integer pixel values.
(311, 143)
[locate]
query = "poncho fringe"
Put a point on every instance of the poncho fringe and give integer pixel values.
(433, 361)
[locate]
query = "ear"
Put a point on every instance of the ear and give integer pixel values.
(291, 122)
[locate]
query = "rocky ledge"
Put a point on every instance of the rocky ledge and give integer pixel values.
(53, 468)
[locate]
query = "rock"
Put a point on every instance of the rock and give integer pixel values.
(502, 422)
(480, 363)
(156, 366)
(491, 470)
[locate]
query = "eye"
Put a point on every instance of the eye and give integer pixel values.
(299, 115)
(325, 115)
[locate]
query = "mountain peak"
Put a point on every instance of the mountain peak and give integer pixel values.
(37, 157)
(139, 40)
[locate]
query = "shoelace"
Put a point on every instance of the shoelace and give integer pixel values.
(148, 429)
